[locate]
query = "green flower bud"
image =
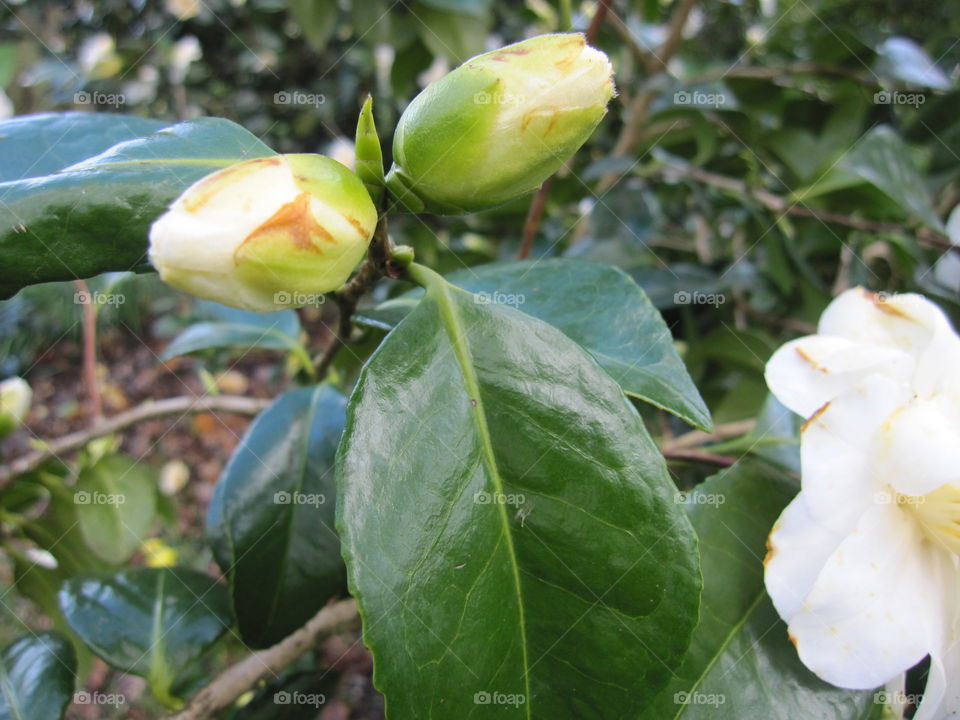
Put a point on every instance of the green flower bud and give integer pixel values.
(265, 234)
(15, 397)
(499, 125)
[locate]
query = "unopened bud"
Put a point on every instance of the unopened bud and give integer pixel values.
(15, 397)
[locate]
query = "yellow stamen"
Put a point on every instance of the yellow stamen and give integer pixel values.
(938, 513)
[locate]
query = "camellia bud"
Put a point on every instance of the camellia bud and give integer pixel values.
(15, 397)
(265, 234)
(499, 125)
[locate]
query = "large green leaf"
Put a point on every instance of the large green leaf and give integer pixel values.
(36, 677)
(509, 528)
(35, 145)
(595, 305)
(95, 215)
(271, 518)
(116, 500)
(151, 622)
(740, 664)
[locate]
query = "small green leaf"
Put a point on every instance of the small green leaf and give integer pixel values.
(37, 675)
(596, 306)
(509, 527)
(369, 153)
(95, 215)
(740, 664)
(902, 59)
(151, 622)
(271, 519)
(317, 19)
(116, 500)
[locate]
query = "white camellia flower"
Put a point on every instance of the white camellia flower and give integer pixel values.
(265, 234)
(863, 565)
(15, 398)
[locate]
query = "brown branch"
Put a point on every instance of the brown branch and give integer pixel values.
(94, 404)
(146, 411)
(237, 679)
(377, 265)
(775, 73)
(696, 438)
(700, 457)
(678, 21)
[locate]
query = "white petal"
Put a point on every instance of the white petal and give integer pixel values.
(870, 614)
(941, 697)
(908, 322)
(797, 550)
(805, 374)
(918, 448)
(840, 480)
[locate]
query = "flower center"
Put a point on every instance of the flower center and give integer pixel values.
(938, 513)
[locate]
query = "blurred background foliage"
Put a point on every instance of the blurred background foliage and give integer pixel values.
(785, 151)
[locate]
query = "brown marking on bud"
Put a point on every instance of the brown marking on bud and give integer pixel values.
(204, 191)
(771, 549)
(886, 307)
(504, 55)
(793, 639)
(358, 225)
(813, 417)
(529, 116)
(296, 221)
(813, 363)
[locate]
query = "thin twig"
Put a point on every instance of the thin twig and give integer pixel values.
(376, 266)
(146, 411)
(237, 679)
(94, 404)
(699, 456)
(696, 438)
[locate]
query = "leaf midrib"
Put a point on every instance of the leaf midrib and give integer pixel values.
(455, 331)
(8, 691)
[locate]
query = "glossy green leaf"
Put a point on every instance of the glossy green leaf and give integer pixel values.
(37, 675)
(151, 622)
(271, 519)
(595, 305)
(317, 19)
(95, 215)
(116, 500)
(509, 528)
(369, 153)
(902, 59)
(35, 145)
(453, 35)
(740, 664)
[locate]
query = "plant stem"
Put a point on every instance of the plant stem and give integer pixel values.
(146, 411)
(237, 679)
(94, 404)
